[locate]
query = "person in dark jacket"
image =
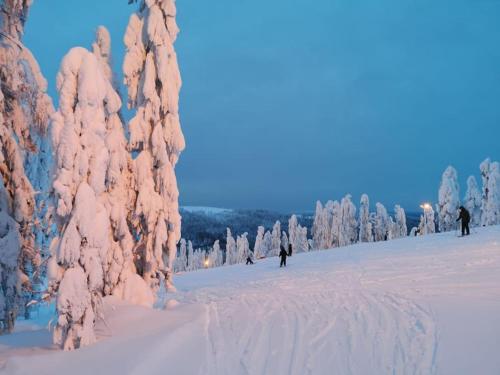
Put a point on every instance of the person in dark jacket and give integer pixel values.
(289, 249)
(465, 217)
(283, 255)
(249, 259)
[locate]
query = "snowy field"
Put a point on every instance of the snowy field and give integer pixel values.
(425, 305)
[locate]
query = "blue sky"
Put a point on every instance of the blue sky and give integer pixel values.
(288, 101)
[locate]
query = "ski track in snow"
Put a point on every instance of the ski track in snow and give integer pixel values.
(295, 324)
(397, 307)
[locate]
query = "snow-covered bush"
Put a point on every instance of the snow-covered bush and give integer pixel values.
(448, 200)
(152, 77)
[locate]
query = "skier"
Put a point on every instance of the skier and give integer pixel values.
(283, 255)
(249, 258)
(465, 217)
(289, 249)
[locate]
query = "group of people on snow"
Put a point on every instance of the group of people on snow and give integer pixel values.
(464, 217)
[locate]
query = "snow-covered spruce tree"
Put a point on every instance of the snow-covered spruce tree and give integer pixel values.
(267, 243)
(152, 76)
(349, 225)
(490, 205)
(230, 248)
(365, 226)
(275, 239)
(472, 201)
(293, 232)
(243, 248)
(334, 224)
(448, 200)
(181, 260)
(90, 191)
(319, 227)
(400, 228)
(25, 109)
(259, 240)
(427, 223)
(381, 228)
(217, 257)
(302, 244)
(190, 256)
(284, 240)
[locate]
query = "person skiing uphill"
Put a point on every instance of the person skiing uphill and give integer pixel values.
(289, 249)
(249, 258)
(283, 255)
(465, 217)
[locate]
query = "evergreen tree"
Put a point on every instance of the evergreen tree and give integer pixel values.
(25, 157)
(449, 200)
(365, 226)
(381, 228)
(259, 242)
(472, 201)
(152, 77)
(349, 225)
(400, 228)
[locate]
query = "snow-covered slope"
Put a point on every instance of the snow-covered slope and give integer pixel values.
(420, 305)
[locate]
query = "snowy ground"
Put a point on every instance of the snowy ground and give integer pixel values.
(412, 306)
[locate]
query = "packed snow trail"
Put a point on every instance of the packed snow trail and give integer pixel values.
(425, 305)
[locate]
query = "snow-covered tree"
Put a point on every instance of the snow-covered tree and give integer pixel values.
(365, 226)
(275, 239)
(91, 189)
(349, 225)
(320, 227)
(302, 244)
(284, 240)
(490, 205)
(400, 228)
(190, 257)
(448, 200)
(293, 232)
(472, 201)
(259, 241)
(267, 244)
(427, 224)
(181, 260)
(230, 248)
(217, 256)
(243, 248)
(153, 80)
(25, 156)
(381, 227)
(334, 220)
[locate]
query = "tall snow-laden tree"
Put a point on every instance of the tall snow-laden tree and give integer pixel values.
(217, 254)
(152, 76)
(348, 232)
(25, 157)
(381, 228)
(284, 240)
(293, 232)
(302, 244)
(400, 228)
(181, 260)
(230, 248)
(334, 224)
(267, 243)
(490, 205)
(319, 227)
(448, 200)
(243, 248)
(90, 191)
(259, 241)
(365, 226)
(427, 223)
(472, 201)
(190, 256)
(275, 239)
